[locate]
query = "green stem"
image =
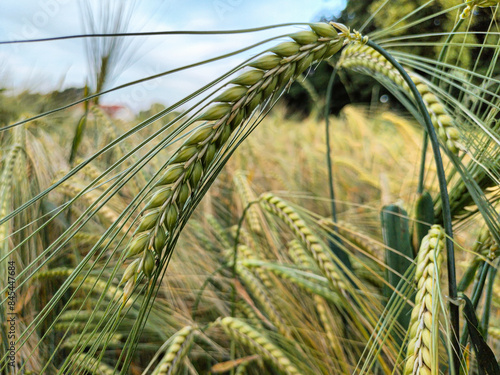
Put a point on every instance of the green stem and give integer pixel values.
(476, 296)
(328, 147)
(335, 248)
(452, 283)
(421, 175)
(485, 321)
(442, 53)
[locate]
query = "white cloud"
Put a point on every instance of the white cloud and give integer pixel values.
(43, 66)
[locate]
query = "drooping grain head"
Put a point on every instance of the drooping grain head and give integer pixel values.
(424, 327)
(265, 76)
(258, 344)
(366, 60)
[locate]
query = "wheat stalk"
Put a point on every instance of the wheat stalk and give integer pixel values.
(367, 60)
(424, 328)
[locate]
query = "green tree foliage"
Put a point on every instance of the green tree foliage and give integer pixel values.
(403, 17)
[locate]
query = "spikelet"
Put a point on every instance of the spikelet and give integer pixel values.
(176, 352)
(247, 195)
(325, 263)
(74, 326)
(258, 344)
(486, 245)
(82, 315)
(424, 327)
(185, 170)
(365, 59)
(54, 273)
(310, 286)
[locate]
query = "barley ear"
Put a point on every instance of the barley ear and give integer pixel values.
(366, 60)
(422, 351)
(258, 344)
(310, 241)
(176, 352)
(184, 172)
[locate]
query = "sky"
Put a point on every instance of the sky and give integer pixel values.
(47, 66)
